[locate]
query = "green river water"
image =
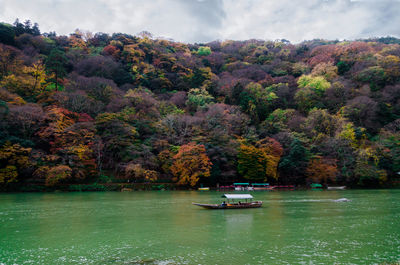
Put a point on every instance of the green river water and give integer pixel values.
(163, 227)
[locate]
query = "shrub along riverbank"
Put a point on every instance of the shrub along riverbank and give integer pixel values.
(132, 187)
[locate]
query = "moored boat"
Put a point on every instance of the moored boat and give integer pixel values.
(261, 186)
(316, 186)
(336, 187)
(234, 201)
(241, 186)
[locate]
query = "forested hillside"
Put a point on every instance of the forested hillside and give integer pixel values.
(97, 108)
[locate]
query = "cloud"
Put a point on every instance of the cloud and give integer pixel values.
(207, 20)
(299, 20)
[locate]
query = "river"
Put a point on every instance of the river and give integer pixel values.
(163, 227)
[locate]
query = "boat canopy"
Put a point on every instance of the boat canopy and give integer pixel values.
(237, 196)
(240, 184)
(315, 185)
(260, 184)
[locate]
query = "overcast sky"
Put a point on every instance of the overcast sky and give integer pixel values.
(208, 20)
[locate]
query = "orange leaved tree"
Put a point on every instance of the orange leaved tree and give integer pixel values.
(320, 169)
(190, 163)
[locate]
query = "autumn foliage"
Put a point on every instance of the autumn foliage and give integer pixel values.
(321, 170)
(259, 162)
(92, 108)
(13, 160)
(190, 164)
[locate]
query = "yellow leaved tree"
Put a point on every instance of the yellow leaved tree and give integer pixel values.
(13, 159)
(190, 163)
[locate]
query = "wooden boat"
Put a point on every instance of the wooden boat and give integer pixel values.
(203, 189)
(336, 187)
(283, 187)
(232, 204)
(261, 186)
(256, 204)
(241, 186)
(316, 186)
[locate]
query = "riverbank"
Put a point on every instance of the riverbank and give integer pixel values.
(128, 187)
(98, 187)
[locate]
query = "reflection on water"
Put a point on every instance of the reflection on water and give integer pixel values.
(300, 227)
(238, 220)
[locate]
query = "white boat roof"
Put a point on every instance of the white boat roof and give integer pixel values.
(238, 196)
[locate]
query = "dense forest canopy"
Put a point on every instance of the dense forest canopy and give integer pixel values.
(95, 108)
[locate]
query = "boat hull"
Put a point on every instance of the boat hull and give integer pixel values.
(263, 188)
(337, 188)
(257, 204)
